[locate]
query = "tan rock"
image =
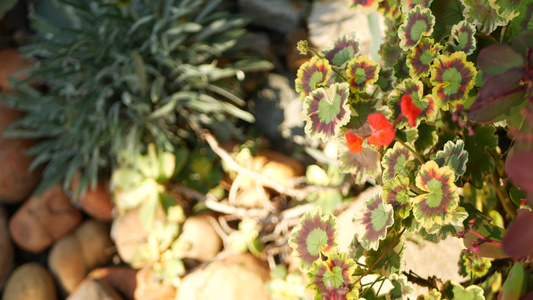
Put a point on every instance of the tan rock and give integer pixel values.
(150, 287)
(237, 277)
(128, 234)
(96, 202)
(73, 256)
(198, 239)
(30, 281)
(123, 279)
(11, 62)
(94, 289)
(17, 182)
(6, 248)
(43, 219)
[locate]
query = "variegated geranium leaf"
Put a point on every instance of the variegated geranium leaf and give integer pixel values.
(454, 290)
(408, 5)
(396, 193)
(344, 49)
(414, 89)
(386, 80)
(362, 165)
(401, 288)
(463, 37)
(373, 224)
(312, 74)
(314, 234)
(326, 110)
(508, 9)
(366, 6)
(452, 78)
(454, 156)
(391, 8)
(483, 14)
(418, 23)
(395, 162)
(441, 232)
(524, 20)
(333, 277)
(401, 70)
(421, 57)
(390, 251)
(362, 72)
(437, 205)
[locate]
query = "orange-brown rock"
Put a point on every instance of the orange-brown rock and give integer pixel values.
(11, 62)
(43, 219)
(94, 289)
(236, 277)
(73, 256)
(30, 281)
(149, 288)
(122, 278)
(96, 202)
(17, 182)
(6, 248)
(277, 166)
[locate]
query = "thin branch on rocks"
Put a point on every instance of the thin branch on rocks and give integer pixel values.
(296, 193)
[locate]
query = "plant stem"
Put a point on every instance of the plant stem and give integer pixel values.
(420, 159)
(372, 284)
(375, 32)
(382, 255)
(332, 68)
(502, 195)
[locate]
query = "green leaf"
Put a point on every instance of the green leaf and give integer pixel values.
(463, 35)
(454, 156)
(482, 14)
(374, 222)
(427, 137)
(391, 255)
(343, 50)
(447, 13)
(454, 290)
(420, 58)
(396, 162)
(418, 23)
(311, 75)
(6, 6)
(437, 205)
(496, 59)
(362, 72)
(401, 287)
(326, 111)
(479, 160)
(524, 21)
(396, 193)
(516, 283)
(314, 235)
(148, 209)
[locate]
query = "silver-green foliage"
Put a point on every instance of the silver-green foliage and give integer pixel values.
(122, 74)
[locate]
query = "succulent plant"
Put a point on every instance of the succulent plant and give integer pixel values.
(118, 75)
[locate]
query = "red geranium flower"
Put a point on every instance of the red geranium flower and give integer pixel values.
(410, 110)
(383, 132)
(354, 142)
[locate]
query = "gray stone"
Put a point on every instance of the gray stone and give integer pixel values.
(329, 20)
(282, 16)
(277, 109)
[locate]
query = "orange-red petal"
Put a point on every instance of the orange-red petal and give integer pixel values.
(410, 110)
(354, 142)
(382, 131)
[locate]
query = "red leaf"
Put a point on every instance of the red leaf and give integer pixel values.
(518, 242)
(410, 110)
(354, 142)
(382, 131)
(518, 167)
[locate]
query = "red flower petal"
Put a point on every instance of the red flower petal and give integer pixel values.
(382, 131)
(410, 110)
(354, 142)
